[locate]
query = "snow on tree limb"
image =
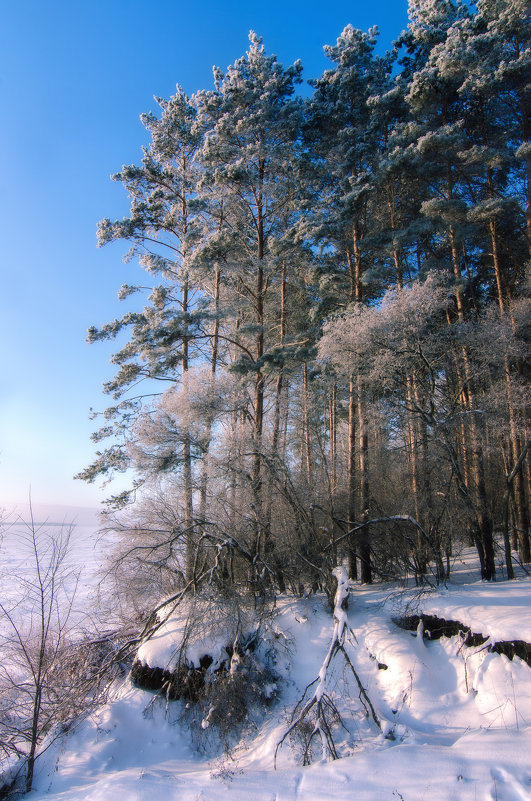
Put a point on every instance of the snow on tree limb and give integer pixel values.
(326, 713)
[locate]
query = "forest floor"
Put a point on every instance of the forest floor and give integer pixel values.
(455, 720)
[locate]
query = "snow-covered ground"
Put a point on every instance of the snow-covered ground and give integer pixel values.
(460, 718)
(456, 721)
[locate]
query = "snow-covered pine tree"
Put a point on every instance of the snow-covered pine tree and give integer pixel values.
(346, 136)
(161, 228)
(438, 139)
(249, 164)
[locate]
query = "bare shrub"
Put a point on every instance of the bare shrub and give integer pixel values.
(50, 671)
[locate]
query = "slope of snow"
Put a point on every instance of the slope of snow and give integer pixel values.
(499, 610)
(456, 722)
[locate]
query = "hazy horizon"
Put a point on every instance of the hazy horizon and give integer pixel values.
(51, 514)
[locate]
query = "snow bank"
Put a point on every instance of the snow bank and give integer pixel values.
(198, 630)
(456, 720)
(499, 610)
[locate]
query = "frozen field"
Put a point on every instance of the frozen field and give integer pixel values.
(83, 562)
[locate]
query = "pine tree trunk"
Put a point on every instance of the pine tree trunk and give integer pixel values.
(365, 550)
(332, 424)
(306, 426)
(518, 487)
(477, 468)
(187, 453)
(275, 441)
(353, 570)
(418, 450)
(280, 379)
(261, 535)
(209, 421)
(356, 291)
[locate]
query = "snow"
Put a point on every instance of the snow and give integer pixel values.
(82, 568)
(161, 650)
(205, 633)
(456, 721)
(499, 610)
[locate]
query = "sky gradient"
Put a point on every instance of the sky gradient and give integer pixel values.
(74, 79)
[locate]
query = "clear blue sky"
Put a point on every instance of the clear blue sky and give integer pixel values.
(74, 78)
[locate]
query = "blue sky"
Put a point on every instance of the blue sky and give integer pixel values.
(74, 78)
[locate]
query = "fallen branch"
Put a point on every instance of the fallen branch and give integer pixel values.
(325, 712)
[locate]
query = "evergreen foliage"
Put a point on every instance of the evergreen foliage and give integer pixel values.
(334, 337)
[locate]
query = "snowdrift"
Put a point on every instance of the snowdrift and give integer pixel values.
(455, 718)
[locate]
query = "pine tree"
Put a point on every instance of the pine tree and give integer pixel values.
(248, 161)
(491, 55)
(347, 135)
(161, 228)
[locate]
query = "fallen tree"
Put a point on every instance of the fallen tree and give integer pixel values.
(316, 715)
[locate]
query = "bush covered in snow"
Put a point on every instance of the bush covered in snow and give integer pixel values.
(218, 658)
